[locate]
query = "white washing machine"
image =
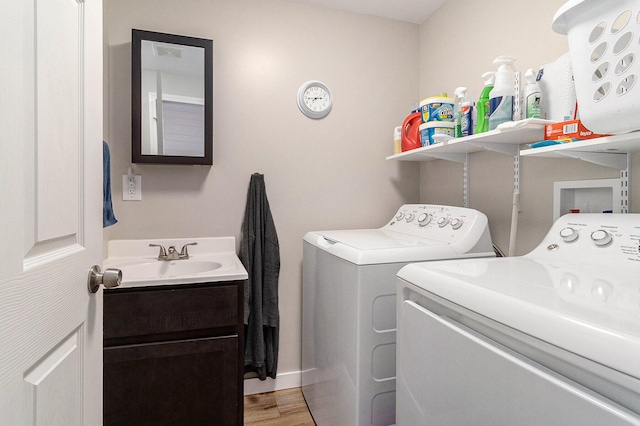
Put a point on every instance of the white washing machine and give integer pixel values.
(549, 338)
(349, 306)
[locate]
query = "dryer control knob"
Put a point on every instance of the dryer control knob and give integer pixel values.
(409, 217)
(569, 234)
(442, 222)
(456, 223)
(424, 219)
(399, 216)
(601, 237)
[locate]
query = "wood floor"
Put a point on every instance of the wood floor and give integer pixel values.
(281, 408)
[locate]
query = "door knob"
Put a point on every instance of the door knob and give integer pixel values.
(109, 278)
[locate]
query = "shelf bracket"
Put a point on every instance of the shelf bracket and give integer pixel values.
(465, 182)
(516, 173)
(509, 149)
(516, 176)
(625, 184)
(617, 161)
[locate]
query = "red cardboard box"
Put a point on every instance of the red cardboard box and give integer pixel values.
(571, 130)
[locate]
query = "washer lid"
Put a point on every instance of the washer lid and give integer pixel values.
(379, 246)
(592, 312)
(376, 239)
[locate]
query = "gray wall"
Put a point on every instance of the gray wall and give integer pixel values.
(323, 174)
(330, 173)
(457, 45)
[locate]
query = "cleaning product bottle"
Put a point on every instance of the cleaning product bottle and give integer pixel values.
(501, 98)
(464, 113)
(482, 123)
(532, 96)
(457, 99)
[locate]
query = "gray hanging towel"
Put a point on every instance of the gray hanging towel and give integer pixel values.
(260, 255)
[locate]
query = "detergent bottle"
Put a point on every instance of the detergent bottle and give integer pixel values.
(410, 132)
(501, 97)
(482, 124)
(464, 113)
(532, 95)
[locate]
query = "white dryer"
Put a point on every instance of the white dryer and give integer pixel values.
(549, 338)
(349, 306)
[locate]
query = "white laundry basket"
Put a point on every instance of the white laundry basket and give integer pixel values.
(604, 44)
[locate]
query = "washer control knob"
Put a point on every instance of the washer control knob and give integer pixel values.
(601, 237)
(442, 222)
(409, 217)
(569, 234)
(456, 223)
(399, 216)
(424, 219)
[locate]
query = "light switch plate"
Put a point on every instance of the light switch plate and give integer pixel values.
(132, 189)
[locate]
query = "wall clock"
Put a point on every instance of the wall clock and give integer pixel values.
(314, 99)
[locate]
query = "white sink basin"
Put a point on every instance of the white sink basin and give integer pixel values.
(211, 260)
(168, 269)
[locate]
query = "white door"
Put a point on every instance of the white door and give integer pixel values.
(50, 211)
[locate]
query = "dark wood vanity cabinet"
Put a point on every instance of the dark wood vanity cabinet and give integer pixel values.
(173, 355)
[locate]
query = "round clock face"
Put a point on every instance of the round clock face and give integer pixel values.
(314, 99)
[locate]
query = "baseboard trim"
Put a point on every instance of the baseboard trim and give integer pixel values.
(282, 381)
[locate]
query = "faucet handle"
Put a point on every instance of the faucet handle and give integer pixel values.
(184, 254)
(163, 251)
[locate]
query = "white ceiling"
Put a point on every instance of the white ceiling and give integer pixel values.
(415, 11)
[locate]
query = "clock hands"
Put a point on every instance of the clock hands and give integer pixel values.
(316, 98)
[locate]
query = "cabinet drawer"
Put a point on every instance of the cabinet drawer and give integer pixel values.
(156, 311)
(193, 382)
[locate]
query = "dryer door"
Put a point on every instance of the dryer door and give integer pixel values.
(448, 374)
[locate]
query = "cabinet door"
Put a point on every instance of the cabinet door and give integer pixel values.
(188, 382)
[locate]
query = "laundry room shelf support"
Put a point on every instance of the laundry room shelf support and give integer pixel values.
(465, 181)
(505, 141)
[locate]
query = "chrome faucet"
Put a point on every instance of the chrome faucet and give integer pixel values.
(172, 253)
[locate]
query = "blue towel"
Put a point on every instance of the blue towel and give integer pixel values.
(108, 218)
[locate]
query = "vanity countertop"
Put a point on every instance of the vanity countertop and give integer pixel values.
(211, 260)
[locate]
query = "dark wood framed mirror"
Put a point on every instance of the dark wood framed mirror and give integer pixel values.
(171, 99)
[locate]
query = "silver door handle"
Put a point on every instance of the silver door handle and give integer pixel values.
(109, 278)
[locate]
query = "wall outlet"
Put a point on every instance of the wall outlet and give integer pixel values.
(132, 188)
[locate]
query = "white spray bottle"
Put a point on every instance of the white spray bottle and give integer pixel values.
(532, 95)
(501, 98)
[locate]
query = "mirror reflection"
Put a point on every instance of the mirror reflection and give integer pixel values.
(172, 99)
(171, 94)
